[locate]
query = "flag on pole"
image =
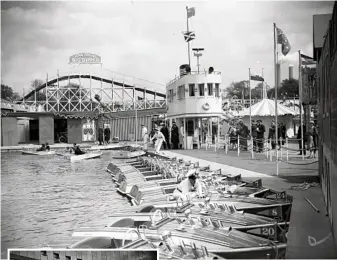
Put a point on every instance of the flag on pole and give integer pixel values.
(256, 78)
(190, 12)
(189, 36)
(282, 39)
(306, 60)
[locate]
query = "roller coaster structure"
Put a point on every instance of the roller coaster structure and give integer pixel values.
(95, 90)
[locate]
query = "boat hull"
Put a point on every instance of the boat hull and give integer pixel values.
(39, 153)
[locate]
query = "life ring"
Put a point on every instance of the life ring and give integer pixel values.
(206, 106)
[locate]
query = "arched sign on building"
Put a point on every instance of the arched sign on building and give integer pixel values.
(85, 58)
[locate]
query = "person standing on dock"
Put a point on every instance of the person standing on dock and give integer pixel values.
(260, 129)
(145, 137)
(164, 130)
(175, 136)
(160, 138)
(182, 135)
(254, 134)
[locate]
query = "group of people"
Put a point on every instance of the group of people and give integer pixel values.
(160, 136)
(310, 139)
(241, 131)
(104, 135)
(76, 149)
(43, 148)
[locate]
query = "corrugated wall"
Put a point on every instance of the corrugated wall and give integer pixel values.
(83, 255)
(125, 126)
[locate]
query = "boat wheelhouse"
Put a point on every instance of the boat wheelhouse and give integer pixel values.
(194, 102)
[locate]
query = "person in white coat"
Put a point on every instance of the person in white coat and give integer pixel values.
(160, 138)
(189, 187)
(145, 137)
(182, 134)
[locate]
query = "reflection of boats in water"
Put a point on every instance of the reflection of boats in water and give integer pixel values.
(78, 157)
(40, 153)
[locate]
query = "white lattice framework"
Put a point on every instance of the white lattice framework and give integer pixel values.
(117, 92)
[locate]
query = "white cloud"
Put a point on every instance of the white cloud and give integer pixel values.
(144, 39)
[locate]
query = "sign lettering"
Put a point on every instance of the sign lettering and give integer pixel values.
(85, 58)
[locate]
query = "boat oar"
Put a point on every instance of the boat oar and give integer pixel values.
(312, 205)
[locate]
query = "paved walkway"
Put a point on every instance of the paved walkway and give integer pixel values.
(309, 235)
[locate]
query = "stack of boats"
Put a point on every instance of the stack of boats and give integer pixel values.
(233, 218)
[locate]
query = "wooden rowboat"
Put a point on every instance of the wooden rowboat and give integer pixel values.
(80, 157)
(40, 153)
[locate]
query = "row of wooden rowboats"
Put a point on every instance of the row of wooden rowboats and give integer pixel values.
(234, 218)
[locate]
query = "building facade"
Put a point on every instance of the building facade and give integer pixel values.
(327, 118)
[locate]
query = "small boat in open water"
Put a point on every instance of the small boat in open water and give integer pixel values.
(80, 157)
(39, 153)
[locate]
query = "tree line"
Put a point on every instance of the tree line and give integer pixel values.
(240, 90)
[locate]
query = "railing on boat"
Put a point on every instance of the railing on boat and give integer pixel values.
(194, 73)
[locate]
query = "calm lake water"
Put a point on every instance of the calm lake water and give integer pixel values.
(46, 198)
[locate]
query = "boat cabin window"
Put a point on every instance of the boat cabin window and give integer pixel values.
(191, 90)
(201, 90)
(68, 257)
(56, 255)
(217, 90)
(181, 92)
(44, 253)
(170, 95)
(210, 89)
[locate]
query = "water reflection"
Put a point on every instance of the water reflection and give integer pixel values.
(45, 198)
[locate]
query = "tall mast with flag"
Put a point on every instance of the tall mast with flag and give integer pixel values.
(279, 38)
(188, 35)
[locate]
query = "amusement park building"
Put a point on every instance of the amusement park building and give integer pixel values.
(75, 112)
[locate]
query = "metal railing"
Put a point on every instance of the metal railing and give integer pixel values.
(193, 73)
(84, 106)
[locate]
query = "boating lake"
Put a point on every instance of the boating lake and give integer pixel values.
(44, 198)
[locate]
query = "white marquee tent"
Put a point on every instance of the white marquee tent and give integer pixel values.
(265, 111)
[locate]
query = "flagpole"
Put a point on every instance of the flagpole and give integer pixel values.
(188, 43)
(250, 112)
(276, 88)
(262, 86)
(300, 100)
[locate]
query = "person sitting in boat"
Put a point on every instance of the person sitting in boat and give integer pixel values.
(42, 148)
(189, 187)
(77, 149)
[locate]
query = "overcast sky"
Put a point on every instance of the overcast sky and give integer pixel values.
(144, 38)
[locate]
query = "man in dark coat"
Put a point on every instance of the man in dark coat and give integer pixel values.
(175, 135)
(281, 133)
(100, 136)
(243, 133)
(107, 135)
(299, 136)
(254, 134)
(260, 129)
(272, 134)
(164, 130)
